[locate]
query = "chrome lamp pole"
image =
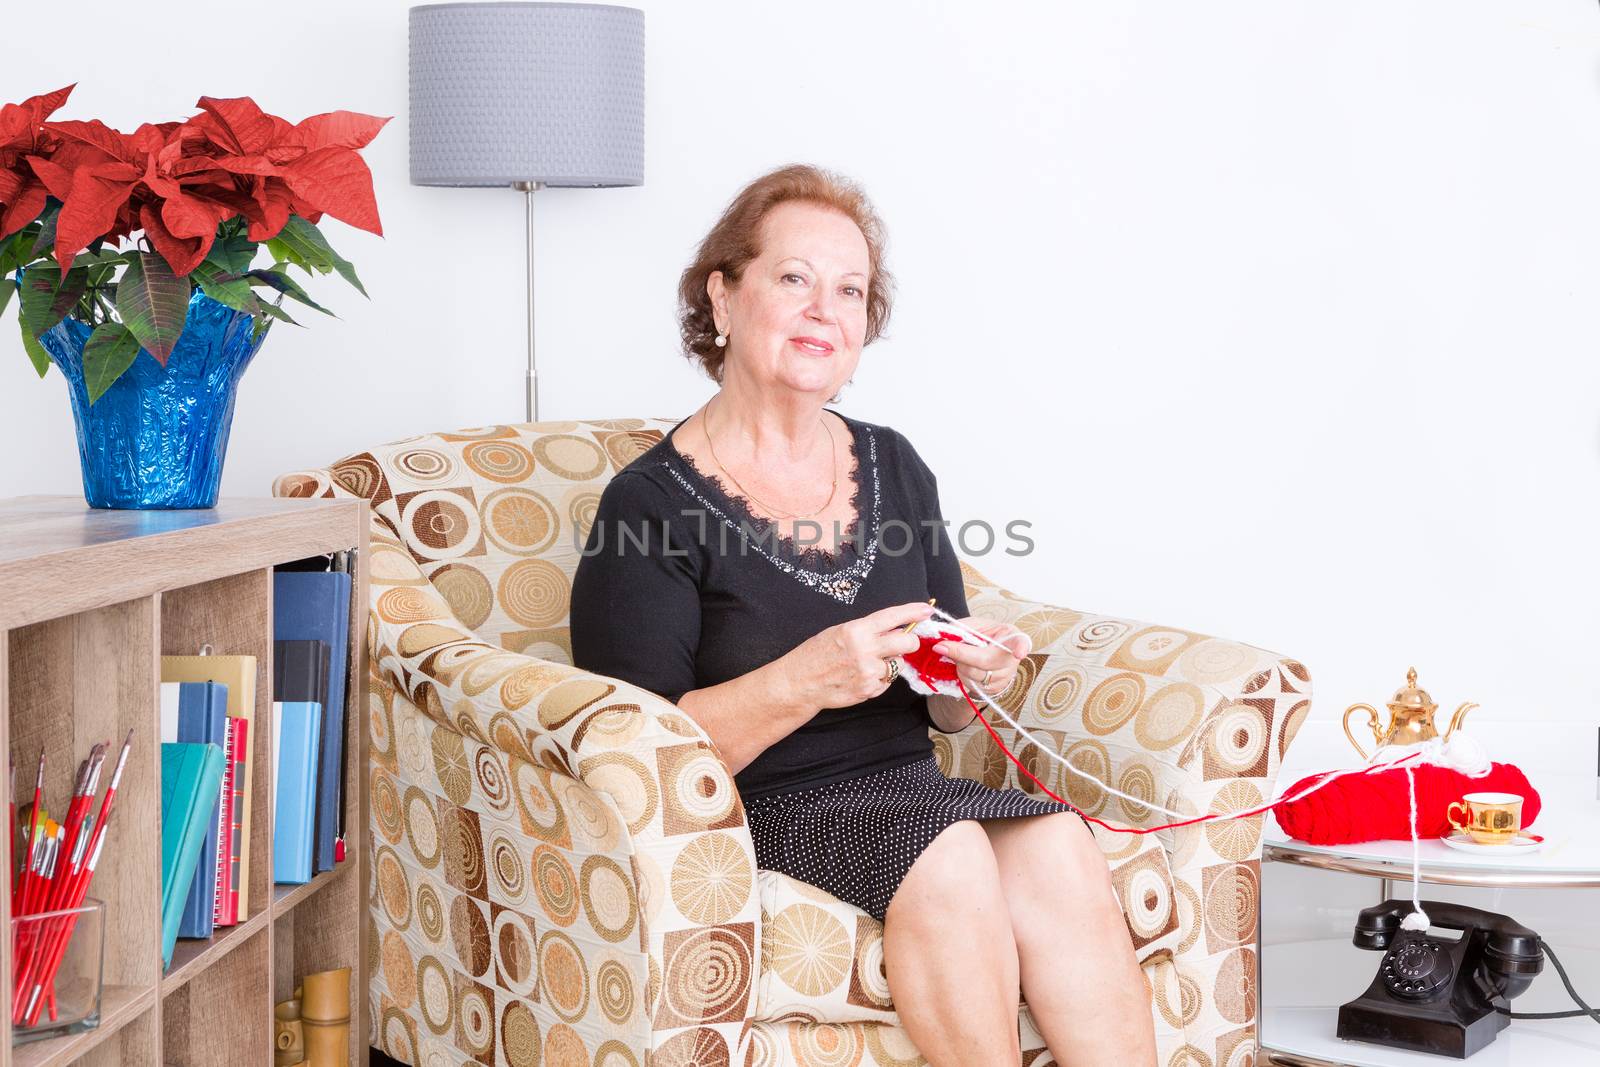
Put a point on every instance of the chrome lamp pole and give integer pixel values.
(530, 95)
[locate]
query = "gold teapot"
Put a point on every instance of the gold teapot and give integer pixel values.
(1410, 718)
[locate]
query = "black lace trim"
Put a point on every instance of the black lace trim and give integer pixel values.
(813, 557)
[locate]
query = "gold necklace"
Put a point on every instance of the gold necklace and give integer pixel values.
(833, 453)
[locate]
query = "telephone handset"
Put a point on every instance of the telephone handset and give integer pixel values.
(1434, 994)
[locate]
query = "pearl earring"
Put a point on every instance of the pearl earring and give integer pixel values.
(722, 340)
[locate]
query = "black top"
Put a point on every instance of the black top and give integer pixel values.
(706, 603)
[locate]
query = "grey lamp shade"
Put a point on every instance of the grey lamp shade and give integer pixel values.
(513, 92)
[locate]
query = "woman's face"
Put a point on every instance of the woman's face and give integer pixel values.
(798, 316)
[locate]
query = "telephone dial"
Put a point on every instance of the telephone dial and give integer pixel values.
(1434, 994)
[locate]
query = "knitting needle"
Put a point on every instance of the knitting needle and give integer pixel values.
(913, 624)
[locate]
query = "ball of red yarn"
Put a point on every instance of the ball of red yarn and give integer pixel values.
(1377, 806)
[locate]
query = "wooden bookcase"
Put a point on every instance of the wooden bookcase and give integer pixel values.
(89, 602)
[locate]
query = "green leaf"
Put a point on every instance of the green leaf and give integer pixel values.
(232, 252)
(153, 303)
(45, 243)
(287, 286)
(9, 252)
(110, 351)
(97, 258)
(283, 254)
(36, 353)
(100, 274)
(226, 288)
(301, 237)
(270, 313)
(47, 297)
(273, 311)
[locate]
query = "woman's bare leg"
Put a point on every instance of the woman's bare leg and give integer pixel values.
(1078, 972)
(949, 955)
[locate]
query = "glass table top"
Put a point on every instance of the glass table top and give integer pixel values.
(1569, 820)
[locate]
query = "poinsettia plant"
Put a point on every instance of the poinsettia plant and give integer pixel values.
(118, 229)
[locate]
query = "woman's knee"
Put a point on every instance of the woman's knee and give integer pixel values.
(956, 875)
(1052, 864)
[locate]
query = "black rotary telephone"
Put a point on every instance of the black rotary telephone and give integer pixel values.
(1447, 997)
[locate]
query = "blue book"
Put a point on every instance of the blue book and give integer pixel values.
(191, 781)
(196, 713)
(315, 606)
(296, 736)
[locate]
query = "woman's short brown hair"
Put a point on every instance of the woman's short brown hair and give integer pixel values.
(736, 240)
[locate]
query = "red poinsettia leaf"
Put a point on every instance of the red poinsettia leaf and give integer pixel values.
(56, 178)
(23, 210)
(111, 170)
(113, 143)
(252, 164)
(275, 202)
(17, 128)
(46, 104)
(188, 216)
(337, 129)
(246, 128)
(89, 211)
(19, 123)
(235, 202)
(339, 183)
(11, 183)
(282, 131)
(147, 140)
(181, 253)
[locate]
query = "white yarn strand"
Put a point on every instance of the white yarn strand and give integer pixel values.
(1142, 802)
(1462, 754)
(1418, 919)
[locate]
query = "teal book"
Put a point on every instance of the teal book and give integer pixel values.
(191, 780)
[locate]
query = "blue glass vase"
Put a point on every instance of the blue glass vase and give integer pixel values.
(158, 436)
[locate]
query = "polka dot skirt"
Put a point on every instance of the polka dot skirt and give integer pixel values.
(858, 838)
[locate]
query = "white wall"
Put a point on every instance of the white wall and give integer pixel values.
(1277, 319)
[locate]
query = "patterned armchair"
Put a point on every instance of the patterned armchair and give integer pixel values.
(561, 869)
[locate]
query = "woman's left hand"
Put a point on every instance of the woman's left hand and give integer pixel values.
(973, 660)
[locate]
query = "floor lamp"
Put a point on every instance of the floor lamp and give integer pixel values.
(527, 96)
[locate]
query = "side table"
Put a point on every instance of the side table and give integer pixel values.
(1297, 1030)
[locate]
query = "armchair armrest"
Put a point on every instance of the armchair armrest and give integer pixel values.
(692, 861)
(1194, 723)
(1165, 714)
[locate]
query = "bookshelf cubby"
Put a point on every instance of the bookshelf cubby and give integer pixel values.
(89, 602)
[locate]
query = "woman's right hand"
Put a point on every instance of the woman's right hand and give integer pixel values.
(844, 664)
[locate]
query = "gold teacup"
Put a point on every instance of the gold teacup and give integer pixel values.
(1492, 818)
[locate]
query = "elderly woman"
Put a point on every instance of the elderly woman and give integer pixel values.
(743, 568)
